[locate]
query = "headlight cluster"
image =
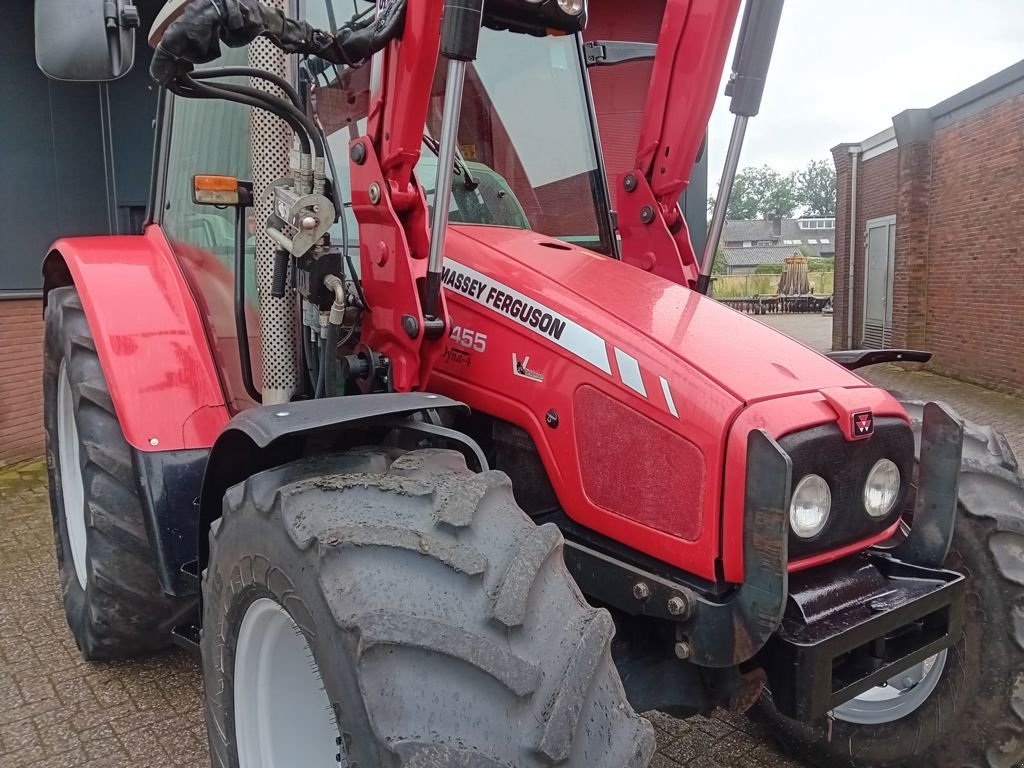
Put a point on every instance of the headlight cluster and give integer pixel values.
(812, 498)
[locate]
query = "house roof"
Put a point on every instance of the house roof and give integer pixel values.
(753, 231)
(759, 254)
(757, 229)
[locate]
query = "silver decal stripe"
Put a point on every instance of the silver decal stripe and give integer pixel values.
(668, 397)
(527, 312)
(629, 371)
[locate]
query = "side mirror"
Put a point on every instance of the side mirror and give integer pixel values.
(85, 40)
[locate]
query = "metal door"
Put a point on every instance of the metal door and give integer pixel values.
(879, 247)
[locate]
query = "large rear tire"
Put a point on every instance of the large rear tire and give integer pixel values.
(113, 601)
(971, 713)
(436, 625)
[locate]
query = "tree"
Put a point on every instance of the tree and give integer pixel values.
(816, 188)
(761, 193)
(743, 203)
(776, 194)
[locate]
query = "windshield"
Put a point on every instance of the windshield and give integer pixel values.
(528, 155)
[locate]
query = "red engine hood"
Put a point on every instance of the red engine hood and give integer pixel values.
(747, 359)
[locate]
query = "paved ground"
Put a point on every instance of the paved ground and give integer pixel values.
(57, 711)
(814, 330)
(984, 406)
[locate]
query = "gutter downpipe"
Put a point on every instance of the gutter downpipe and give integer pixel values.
(854, 156)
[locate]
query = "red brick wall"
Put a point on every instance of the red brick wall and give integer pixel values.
(876, 197)
(975, 317)
(21, 374)
(958, 287)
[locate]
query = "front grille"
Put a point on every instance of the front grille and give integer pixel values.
(845, 465)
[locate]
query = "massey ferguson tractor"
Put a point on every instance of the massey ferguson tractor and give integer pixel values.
(439, 461)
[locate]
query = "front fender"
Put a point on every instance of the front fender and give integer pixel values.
(149, 336)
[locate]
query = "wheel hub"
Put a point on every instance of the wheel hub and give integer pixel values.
(898, 697)
(283, 717)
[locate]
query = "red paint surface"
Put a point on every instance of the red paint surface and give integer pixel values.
(636, 468)
(715, 361)
(150, 339)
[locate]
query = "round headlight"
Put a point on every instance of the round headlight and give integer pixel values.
(808, 511)
(881, 488)
(572, 7)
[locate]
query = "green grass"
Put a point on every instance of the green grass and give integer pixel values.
(740, 286)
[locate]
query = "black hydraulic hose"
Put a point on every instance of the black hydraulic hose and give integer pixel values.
(270, 77)
(187, 87)
(241, 326)
(307, 354)
(320, 383)
(296, 118)
(330, 361)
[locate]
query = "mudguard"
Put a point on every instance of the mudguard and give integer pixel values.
(271, 435)
(149, 336)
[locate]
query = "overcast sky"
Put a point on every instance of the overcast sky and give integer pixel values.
(842, 69)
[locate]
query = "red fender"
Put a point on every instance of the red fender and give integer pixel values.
(149, 336)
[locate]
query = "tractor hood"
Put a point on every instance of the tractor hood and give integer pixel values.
(630, 307)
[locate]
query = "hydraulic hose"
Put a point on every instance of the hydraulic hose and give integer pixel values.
(189, 88)
(282, 109)
(329, 361)
(270, 77)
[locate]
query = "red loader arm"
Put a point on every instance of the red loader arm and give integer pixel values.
(692, 49)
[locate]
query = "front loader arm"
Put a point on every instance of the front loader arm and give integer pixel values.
(393, 220)
(692, 49)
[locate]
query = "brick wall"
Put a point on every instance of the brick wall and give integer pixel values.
(975, 312)
(21, 374)
(958, 284)
(876, 197)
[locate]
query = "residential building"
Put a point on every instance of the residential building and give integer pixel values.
(749, 244)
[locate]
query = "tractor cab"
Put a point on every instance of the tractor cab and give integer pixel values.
(528, 155)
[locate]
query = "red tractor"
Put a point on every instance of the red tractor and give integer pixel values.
(439, 461)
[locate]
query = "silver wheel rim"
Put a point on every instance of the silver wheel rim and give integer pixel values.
(900, 696)
(71, 485)
(283, 717)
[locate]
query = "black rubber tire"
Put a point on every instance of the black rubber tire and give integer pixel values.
(415, 579)
(975, 716)
(122, 613)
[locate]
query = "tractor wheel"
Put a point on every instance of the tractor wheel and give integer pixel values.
(965, 706)
(375, 608)
(113, 601)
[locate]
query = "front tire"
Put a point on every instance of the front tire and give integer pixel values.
(437, 624)
(113, 601)
(973, 714)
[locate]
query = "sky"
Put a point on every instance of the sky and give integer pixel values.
(842, 69)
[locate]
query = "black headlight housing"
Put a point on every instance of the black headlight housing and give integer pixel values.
(845, 465)
(536, 18)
